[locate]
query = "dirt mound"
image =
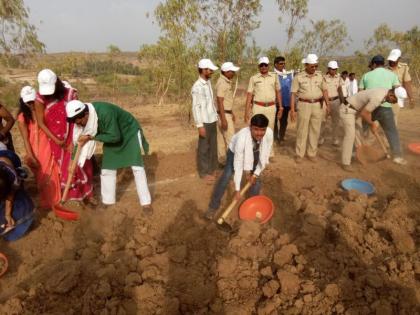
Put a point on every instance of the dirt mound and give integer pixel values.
(350, 254)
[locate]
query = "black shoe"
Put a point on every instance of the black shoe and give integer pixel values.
(148, 210)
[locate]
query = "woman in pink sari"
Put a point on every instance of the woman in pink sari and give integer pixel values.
(50, 112)
(38, 152)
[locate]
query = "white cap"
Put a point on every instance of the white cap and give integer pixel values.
(263, 60)
(333, 64)
(207, 64)
(28, 94)
(310, 59)
(400, 92)
(74, 108)
(394, 55)
(229, 66)
(46, 81)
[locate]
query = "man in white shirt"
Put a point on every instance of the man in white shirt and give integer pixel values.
(205, 118)
(248, 152)
(352, 87)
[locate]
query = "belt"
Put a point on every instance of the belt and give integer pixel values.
(311, 101)
(265, 104)
(333, 98)
(227, 111)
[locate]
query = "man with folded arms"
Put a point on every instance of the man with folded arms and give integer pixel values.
(335, 94)
(205, 118)
(310, 89)
(224, 94)
(263, 94)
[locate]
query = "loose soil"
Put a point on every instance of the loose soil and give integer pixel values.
(325, 251)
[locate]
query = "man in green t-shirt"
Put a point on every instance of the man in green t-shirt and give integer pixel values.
(122, 138)
(380, 77)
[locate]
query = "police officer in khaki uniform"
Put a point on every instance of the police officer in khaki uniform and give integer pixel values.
(335, 94)
(310, 89)
(402, 71)
(224, 94)
(263, 92)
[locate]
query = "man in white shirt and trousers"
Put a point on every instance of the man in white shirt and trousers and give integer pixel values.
(248, 152)
(205, 117)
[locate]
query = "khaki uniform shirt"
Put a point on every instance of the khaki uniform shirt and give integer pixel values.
(264, 87)
(368, 99)
(402, 72)
(308, 86)
(224, 89)
(333, 83)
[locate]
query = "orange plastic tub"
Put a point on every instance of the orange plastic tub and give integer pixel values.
(414, 148)
(259, 208)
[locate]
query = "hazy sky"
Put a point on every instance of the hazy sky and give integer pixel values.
(92, 25)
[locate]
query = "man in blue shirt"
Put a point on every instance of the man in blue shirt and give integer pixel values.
(285, 80)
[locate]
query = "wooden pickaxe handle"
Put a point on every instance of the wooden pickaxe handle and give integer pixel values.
(379, 139)
(71, 172)
(232, 205)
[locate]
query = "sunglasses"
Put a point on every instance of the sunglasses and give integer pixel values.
(281, 63)
(261, 65)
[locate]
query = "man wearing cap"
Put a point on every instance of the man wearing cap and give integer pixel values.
(379, 77)
(263, 94)
(360, 106)
(285, 79)
(205, 118)
(402, 71)
(122, 138)
(310, 89)
(335, 94)
(225, 96)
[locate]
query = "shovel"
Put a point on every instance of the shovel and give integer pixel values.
(59, 210)
(382, 144)
(367, 154)
(221, 222)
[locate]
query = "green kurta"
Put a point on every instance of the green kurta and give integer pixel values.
(118, 130)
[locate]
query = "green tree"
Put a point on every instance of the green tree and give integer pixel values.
(294, 11)
(324, 38)
(227, 24)
(113, 50)
(174, 56)
(17, 34)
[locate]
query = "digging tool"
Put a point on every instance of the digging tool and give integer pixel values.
(59, 210)
(222, 219)
(381, 142)
(367, 154)
(6, 229)
(71, 173)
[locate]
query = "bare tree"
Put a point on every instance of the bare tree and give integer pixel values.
(295, 11)
(324, 38)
